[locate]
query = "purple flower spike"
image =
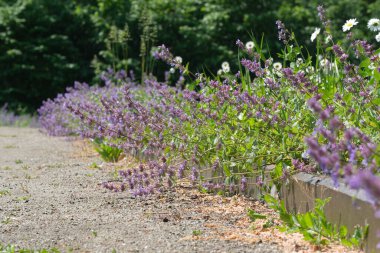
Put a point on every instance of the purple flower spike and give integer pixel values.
(243, 184)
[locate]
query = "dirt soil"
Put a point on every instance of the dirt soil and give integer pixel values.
(51, 197)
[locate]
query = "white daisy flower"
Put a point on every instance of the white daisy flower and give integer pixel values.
(315, 34)
(324, 62)
(225, 65)
(249, 45)
(201, 77)
(377, 37)
(178, 59)
(349, 24)
(292, 65)
(374, 24)
(277, 65)
(219, 72)
(299, 61)
(310, 69)
(226, 69)
(172, 70)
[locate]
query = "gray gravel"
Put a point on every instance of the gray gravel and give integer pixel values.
(50, 197)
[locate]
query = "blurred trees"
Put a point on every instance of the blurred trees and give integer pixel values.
(44, 46)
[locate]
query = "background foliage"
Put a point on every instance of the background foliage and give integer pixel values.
(46, 45)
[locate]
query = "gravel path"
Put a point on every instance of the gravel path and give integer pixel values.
(50, 196)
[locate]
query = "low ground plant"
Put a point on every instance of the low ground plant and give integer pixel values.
(314, 226)
(14, 249)
(9, 118)
(107, 153)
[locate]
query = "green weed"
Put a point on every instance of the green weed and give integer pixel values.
(197, 232)
(6, 220)
(25, 167)
(253, 215)
(14, 249)
(107, 152)
(4, 192)
(94, 165)
(10, 146)
(23, 198)
(314, 226)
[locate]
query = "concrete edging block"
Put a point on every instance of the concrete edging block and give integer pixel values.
(347, 207)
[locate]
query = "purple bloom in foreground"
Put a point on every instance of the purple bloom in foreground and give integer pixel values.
(283, 33)
(194, 175)
(367, 181)
(253, 66)
(240, 44)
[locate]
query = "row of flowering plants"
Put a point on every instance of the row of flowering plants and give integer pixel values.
(312, 113)
(9, 118)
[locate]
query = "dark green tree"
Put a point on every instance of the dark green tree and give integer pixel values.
(45, 45)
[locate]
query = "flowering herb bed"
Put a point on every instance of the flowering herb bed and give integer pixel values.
(8, 118)
(310, 113)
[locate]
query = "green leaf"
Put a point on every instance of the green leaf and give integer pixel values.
(308, 236)
(308, 221)
(346, 243)
(343, 232)
(253, 215)
(324, 242)
(277, 171)
(227, 171)
(376, 75)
